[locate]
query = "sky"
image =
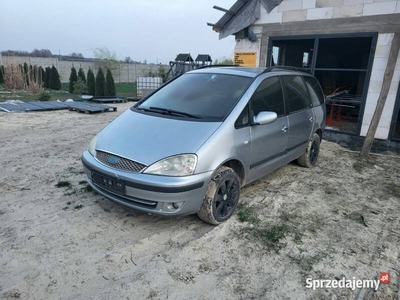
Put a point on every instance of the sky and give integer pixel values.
(152, 30)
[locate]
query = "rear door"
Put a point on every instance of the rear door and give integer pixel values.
(269, 141)
(300, 114)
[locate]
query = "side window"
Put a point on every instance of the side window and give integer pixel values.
(243, 119)
(269, 97)
(296, 92)
(317, 96)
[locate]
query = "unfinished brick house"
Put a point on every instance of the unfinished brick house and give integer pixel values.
(344, 43)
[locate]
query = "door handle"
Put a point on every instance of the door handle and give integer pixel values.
(284, 128)
(311, 119)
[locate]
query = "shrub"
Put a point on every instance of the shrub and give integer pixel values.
(47, 77)
(54, 82)
(81, 75)
(26, 72)
(42, 74)
(80, 87)
(14, 77)
(110, 84)
(100, 83)
(1, 74)
(72, 79)
(91, 85)
(44, 96)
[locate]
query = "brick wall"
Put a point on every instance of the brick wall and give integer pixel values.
(302, 10)
(378, 69)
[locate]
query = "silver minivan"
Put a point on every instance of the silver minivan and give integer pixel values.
(192, 144)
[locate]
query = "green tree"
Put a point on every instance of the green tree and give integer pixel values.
(54, 81)
(100, 83)
(1, 74)
(80, 87)
(81, 75)
(91, 85)
(225, 61)
(161, 73)
(26, 72)
(42, 73)
(47, 77)
(108, 57)
(110, 84)
(72, 79)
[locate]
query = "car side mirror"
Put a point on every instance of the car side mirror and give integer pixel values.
(265, 117)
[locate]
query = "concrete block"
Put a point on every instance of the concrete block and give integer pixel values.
(294, 15)
(382, 51)
(375, 87)
(329, 3)
(348, 11)
(308, 4)
(382, 133)
(369, 109)
(270, 18)
(391, 99)
(377, 75)
(394, 87)
(372, 98)
(364, 129)
(290, 5)
(396, 75)
(379, 8)
(354, 2)
(385, 39)
(320, 13)
(380, 63)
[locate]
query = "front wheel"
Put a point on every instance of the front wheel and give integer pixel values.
(310, 156)
(221, 198)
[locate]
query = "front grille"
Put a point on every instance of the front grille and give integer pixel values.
(118, 162)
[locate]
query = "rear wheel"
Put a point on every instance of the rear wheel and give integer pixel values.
(310, 156)
(221, 198)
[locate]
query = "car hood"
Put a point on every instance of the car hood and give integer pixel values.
(148, 138)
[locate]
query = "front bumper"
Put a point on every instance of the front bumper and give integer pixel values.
(151, 193)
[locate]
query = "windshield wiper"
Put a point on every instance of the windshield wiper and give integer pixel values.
(172, 112)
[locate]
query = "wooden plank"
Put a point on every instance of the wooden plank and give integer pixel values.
(380, 23)
(387, 80)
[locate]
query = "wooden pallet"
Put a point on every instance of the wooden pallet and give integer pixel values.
(90, 108)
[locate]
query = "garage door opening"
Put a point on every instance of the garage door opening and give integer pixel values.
(341, 65)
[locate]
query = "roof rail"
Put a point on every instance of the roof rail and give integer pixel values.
(270, 69)
(215, 66)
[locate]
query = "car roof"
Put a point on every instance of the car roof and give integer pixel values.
(248, 72)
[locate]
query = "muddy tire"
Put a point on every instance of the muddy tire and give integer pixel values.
(310, 156)
(221, 198)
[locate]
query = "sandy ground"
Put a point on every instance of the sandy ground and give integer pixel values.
(340, 219)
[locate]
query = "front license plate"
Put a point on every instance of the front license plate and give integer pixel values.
(109, 184)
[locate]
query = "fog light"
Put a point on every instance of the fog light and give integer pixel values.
(178, 205)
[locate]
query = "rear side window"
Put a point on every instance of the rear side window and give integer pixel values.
(317, 96)
(296, 92)
(269, 97)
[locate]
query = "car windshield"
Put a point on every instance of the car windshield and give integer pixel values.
(205, 96)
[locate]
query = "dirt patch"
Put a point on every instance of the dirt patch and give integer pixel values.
(340, 219)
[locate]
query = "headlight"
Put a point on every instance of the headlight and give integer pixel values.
(179, 165)
(92, 146)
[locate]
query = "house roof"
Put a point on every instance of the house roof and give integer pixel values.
(183, 57)
(241, 15)
(203, 57)
(229, 14)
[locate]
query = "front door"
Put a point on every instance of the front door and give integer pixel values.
(269, 141)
